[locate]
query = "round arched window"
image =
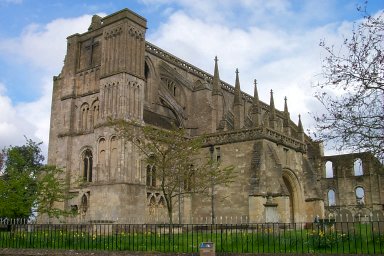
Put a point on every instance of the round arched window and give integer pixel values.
(359, 192)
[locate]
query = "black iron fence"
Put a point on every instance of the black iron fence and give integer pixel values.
(322, 237)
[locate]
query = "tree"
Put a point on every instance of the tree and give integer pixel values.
(51, 190)
(179, 169)
(26, 185)
(354, 120)
(18, 186)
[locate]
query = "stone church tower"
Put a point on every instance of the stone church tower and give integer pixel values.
(112, 72)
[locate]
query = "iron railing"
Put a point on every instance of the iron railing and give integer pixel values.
(325, 236)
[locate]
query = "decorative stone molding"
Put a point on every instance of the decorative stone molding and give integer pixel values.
(113, 32)
(254, 134)
(135, 32)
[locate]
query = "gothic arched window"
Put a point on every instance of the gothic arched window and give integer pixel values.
(331, 197)
(358, 167)
(329, 169)
(87, 165)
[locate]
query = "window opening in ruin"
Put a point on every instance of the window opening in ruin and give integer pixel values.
(329, 169)
(331, 197)
(87, 165)
(358, 167)
(359, 192)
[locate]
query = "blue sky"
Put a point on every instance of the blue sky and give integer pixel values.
(273, 41)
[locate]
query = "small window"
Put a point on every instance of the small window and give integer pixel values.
(360, 194)
(329, 169)
(331, 198)
(358, 167)
(87, 165)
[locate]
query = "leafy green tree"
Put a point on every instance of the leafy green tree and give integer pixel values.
(18, 185)
(180, 169)
(354, 117)
(52, 190)
(26, 185)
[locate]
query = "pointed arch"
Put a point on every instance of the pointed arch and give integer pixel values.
(296, 195)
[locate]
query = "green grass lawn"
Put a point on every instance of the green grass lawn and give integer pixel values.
(361, 238)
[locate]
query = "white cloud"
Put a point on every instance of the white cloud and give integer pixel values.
(12, 126)
(280, 61)
(42, 46)
(286, 61)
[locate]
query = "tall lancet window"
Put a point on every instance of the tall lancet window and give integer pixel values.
(87, 165)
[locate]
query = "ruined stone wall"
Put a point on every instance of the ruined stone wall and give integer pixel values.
(352, 187)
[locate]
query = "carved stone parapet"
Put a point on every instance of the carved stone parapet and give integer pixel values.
(254, 134)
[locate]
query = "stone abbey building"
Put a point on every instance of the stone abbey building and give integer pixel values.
(111, 71)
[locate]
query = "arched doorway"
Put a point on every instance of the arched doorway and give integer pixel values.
(296, 198)
(291, 211)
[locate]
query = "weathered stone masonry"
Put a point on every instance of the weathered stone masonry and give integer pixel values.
(111, 71)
